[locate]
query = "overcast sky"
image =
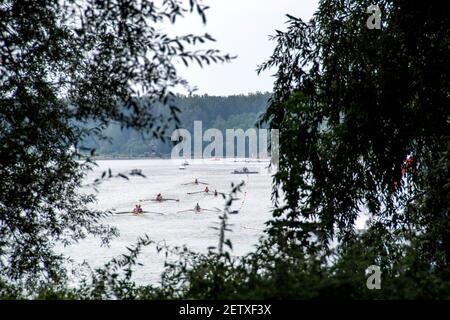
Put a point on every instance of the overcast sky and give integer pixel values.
(242, 28)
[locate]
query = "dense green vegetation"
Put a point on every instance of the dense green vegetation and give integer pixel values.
(364, 116)
(239, 111)
(65, 65)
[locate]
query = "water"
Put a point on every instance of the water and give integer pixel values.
(176, 229)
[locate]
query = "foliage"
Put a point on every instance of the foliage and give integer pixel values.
(364, 120)
(64, 64)
(238, 111)
(364, 116)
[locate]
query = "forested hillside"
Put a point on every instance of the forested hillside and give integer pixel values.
(220, 112)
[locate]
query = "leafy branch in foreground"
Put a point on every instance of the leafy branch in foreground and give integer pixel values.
(364, 120)
(67, 70)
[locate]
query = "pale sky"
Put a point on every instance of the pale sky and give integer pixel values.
(242, 28)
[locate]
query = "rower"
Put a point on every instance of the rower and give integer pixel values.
(159, 197)
(196, 181)
(216, 193)
(206, 189)
(137, 209)
(197, 208)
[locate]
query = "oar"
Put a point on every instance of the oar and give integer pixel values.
(198, 182)
(121, 212)
(210, 193)
(211, 210)
(195, 192)
(170, 199)
(142, 200)
(185, 210)
(161, 213)
(145, 200)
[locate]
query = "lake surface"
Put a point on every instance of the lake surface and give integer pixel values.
(176, 229)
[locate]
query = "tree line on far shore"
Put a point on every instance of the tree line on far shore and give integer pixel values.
(219, 112)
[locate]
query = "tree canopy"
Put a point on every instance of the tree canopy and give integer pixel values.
(63, 64)
(220, 112)
(365, 120)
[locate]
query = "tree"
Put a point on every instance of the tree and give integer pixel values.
(364, 117)
(64, 64)
(214, 112)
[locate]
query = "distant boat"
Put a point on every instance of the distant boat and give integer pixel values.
(182, 167)
(244, 170)
(185, 163)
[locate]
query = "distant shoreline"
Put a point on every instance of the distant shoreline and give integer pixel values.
(105, 157)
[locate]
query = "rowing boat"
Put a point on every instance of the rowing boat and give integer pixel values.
(162, 200)
(137, 214)
(194, 183)
(244, 172)
(203, 191)
(198, 211)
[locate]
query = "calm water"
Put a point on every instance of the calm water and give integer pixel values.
(188, 228)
